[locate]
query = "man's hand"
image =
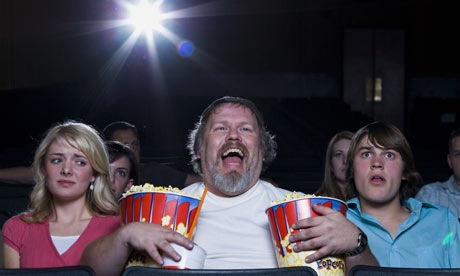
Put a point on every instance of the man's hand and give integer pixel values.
(329, 234)
(107, 255)
(153, 239)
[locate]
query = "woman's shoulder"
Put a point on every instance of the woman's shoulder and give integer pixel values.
(17, 226)
(18, 220)
(13, 221)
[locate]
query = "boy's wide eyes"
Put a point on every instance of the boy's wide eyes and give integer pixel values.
(390, 155)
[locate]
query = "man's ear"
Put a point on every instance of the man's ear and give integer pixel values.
(449, 161)
(128, 186)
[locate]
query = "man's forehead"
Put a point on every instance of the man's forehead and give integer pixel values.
(456, 141)
(366, 142)
(454, 146)
(225, 107)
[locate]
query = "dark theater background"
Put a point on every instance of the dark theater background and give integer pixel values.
(312, 67)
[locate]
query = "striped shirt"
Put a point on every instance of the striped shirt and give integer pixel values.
(443, 193)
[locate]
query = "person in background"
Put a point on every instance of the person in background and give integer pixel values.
(401, 231)
(230, 147)
(17, 175)
(151, 172)
(123, 167)
(334, 182)
(71, 203)
(125, 133)
(446, 193)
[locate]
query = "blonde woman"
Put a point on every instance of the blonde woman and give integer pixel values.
(71, 203)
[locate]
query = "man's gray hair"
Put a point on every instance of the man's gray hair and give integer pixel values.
(195, 138)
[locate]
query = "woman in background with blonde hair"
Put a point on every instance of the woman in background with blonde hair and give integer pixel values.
(71, 203)
(334, 181)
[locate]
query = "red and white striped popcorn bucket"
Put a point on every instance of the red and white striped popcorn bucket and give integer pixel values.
(171, 210)
(281, 218)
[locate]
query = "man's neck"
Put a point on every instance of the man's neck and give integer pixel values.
(217, 192)
(390, 214)
(457, 180)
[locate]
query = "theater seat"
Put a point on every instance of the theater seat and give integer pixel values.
(288, 271)
(52, 271)
(363, 270)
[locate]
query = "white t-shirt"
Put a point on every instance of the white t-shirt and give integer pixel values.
(234, 231)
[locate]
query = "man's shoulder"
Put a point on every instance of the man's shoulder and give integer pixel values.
(435, 185)
(270, 188)
(194, 188)
(430, 189)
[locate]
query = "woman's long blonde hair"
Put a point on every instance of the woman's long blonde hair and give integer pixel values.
(100, 201)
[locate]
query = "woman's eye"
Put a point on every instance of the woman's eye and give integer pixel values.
(338, 155)
(121, 173)
(81, 163)
(56, 160)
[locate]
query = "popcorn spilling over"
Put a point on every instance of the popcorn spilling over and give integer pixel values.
(147, 187)
(291, 196)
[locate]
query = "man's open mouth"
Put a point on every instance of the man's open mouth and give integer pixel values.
(233, 155)
(377, 178)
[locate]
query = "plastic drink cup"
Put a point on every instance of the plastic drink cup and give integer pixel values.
(281, 218)
(191, 259)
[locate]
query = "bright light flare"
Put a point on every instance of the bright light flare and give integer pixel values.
(145, 17)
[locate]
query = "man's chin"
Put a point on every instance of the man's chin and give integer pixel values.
(232, 183)
(232, 171)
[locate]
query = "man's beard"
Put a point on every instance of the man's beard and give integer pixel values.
(232, 183)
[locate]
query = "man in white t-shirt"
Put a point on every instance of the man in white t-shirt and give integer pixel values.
(230, 147)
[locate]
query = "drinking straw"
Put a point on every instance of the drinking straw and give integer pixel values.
(197, 213)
